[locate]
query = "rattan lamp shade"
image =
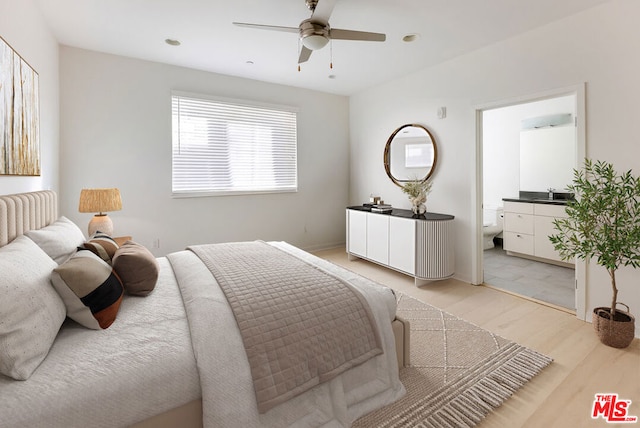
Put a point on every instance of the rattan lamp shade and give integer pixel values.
(100, 201)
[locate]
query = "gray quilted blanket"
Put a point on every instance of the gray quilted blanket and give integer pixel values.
(300, 326)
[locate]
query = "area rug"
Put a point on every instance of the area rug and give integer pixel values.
(458, 372)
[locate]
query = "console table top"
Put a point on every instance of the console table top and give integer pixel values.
(398, 212)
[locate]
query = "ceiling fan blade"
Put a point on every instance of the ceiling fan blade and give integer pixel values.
(305, 53)
(267, 27)
(323, 10)
(338, 34)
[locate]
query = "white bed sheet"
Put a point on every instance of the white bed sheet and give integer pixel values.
(140, 366)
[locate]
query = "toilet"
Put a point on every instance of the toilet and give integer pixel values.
(492, 226)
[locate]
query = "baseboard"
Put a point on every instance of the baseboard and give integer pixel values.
(326, 246)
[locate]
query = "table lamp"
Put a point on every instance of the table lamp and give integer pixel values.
(100, 201)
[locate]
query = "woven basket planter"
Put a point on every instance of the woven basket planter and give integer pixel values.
(617, 332)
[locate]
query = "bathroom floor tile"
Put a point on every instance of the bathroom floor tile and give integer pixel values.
(541, 281)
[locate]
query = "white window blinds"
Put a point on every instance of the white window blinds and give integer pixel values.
(232, 147)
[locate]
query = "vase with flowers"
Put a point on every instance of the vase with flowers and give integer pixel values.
(417, 191)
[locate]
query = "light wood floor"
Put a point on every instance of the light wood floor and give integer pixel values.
(562, 394)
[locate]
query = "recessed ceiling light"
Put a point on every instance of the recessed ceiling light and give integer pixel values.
(411, 37)
(249, 62)
(172, 42)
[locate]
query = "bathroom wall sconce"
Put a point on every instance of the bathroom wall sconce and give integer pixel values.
(100, 201)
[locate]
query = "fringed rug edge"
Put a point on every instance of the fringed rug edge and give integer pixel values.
(471, 397)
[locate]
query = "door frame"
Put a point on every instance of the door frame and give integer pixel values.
(579, 90)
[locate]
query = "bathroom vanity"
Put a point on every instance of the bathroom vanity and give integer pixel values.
(528, 222)
(420, 246)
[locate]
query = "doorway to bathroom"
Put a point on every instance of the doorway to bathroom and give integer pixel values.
(529, 149)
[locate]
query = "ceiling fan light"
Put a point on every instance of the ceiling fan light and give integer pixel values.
(315, 41)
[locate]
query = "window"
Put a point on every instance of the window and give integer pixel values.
(232, 147)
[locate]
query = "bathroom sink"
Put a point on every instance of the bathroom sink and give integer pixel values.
(542, 197)
(558, 198)
(545, 200)
(562, 196)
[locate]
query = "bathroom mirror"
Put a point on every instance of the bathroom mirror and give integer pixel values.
(547, 158)
(410, 153)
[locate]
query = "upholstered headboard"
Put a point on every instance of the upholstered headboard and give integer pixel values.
(26, 211)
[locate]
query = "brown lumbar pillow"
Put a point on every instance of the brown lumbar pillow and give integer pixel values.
(136, 267)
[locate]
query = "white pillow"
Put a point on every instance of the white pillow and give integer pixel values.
(59, 240)
(31, 312)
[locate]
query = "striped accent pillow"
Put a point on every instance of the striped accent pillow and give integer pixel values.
(102, 245)
(89, 288)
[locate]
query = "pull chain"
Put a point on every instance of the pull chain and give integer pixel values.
(331, 53)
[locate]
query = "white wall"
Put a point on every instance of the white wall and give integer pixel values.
(22, 26)
(116, 132)
(597, 47)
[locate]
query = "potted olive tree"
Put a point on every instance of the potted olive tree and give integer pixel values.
(604, 224)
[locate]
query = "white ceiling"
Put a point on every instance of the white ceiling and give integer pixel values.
(447, 28)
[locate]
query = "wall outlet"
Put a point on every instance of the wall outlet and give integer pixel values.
(156, 243)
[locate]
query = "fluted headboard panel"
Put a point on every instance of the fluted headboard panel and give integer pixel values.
(26, 211)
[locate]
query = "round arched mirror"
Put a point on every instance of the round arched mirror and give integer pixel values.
(410, 154)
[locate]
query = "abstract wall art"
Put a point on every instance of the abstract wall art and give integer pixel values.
(19, 115)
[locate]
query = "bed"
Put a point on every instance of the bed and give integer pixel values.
(173, 356)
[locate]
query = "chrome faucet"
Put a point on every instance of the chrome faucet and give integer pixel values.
(551, 190)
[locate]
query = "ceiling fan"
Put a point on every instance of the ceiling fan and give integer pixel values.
(315, 32)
